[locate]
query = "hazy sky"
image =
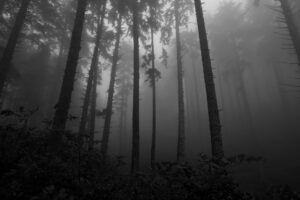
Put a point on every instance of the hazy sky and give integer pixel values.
(211, 5)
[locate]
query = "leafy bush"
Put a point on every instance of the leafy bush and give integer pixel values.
(30, 170)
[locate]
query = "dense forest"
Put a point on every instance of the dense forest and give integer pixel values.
(149, 99)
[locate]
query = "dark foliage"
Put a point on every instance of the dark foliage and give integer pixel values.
(30, 170)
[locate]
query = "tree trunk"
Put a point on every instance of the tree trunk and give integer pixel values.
(111, 90)
(136, 93)
(9, 50)
(64, 101)
(94, 64)
(181, 123)
(121, 126)
(93, 108)
(55, 82)
(291, 25)
(213, 110)
(153, 144)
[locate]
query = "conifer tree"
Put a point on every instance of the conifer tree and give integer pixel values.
(64, 101)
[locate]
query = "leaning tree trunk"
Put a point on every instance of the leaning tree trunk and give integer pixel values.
(213, 110)
(56, 71)
(87, 96)
(9, 50)
(94, 66)
(135, 154)
(181, 123)
(153, 143)
(111, 90)
(64, 101)
(291, 25)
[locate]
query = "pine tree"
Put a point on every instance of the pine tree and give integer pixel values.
(91, 89)
(213, 110)
(291, 26)
(5, 62)
(136, 93)
(177, 13)
(153, 22)
(64, 101)
(111, 90)
(181, 121)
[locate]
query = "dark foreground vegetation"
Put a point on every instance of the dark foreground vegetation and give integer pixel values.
(221, 82)
(30, 168)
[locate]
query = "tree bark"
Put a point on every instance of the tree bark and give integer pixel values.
(121, 126)
(136, 93)
(111, 90)
(93, 107)
(94, 64)
(213, 110)
(56, 71)
(153, 143)
(181, 123)
(9, 50)
(64, 101)
(291, 25)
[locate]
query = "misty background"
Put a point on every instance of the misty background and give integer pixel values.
(256, 75)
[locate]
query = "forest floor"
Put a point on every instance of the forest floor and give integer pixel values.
(31, 169)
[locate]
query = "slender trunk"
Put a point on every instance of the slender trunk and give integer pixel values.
(213, 110)
(93, 108)
(291, 25)
(111, 90)
(9, 50)
(64, 101)
(125, 132)
(181, 123)
(94, 64)
(136, 79)
(198, 112)
(153, 144)
(121, 126)
(86, 103)
(56, 72)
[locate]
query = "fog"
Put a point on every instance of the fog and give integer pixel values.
(256, 76)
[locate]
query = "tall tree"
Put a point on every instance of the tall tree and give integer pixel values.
(124, 85)
(154, 22)
(153, 80)
(92, 79)
(181, 123)
(177, 14)
(5, 63)
(135, 155)
(213, 110)
(291, 26)
(111, 90)
(93, 106)
(191, 47)
(64, 101)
